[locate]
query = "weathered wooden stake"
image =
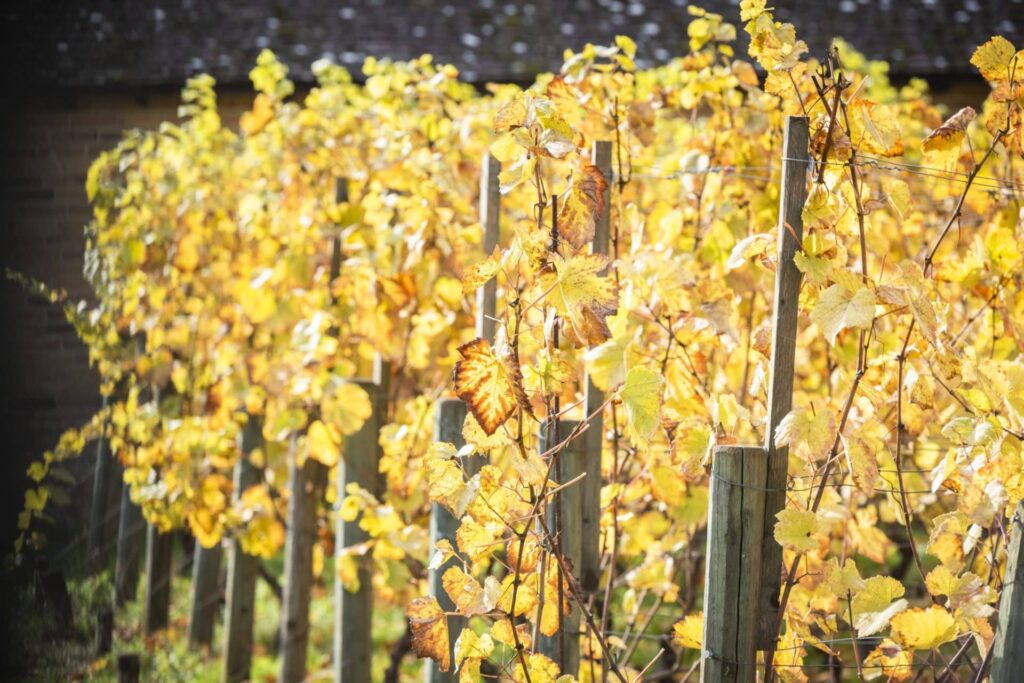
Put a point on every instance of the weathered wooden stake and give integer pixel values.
(564, 646)
(242, 568)
(1008, 650)
(353, 611)
(793, 194)
(298, 565)
(128, 668)
(450, 416)
(131, 539)
(490, 219)
(158, 579)
(733, 570)
(589, 571)
(104, 631)
(103, 473)
(206, 592)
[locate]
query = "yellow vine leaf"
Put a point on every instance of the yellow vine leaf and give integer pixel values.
(796, 529)
(35, 499)
(429, 630)
(526, 596)
(942, 146)
(689, 631)
(876, 604)
(346, 408)
(582, 205)
(502, 631)
(894, 661)
(467, 594)
(843, 581)
(470, 650)
(994, 59)
(445, 482)
(323, 443)
(542, 670)
(809, 435)
(839, 308)
(923, 629)
(874, 128)
(606, 363)
(491, 386)
(581, 296)
(863, 464)
(641, 397)
(479, 273)
(968, 594)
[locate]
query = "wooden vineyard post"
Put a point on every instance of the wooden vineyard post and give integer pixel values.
(590, 529)
(490, 217)
(104, 636)
(1008, 649)
(451, 414)
(157, 597)
(205, 594)
(242, 568)
(131, 538)
(353, 610)
(131, 531)
(100, 513)
(158, 579)
(733, 565)
(748, 483)
(567, 508)
(298, 565)
(793, 195)
(129, 667)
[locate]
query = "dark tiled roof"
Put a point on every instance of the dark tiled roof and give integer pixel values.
(131, 42)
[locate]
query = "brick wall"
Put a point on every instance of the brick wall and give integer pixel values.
(46, 383)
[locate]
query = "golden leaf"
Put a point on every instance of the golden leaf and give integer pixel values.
(839, 308)
(923, 629)
(582, 205)
(346, 408)
(810, 435)
(795, 529)
(876, 604)
(445, 481)
(874, 128)
(641, 397)
(994, 59)
(896, 663)
(942, 145)
(479, 273)
(467, 594)
(429, 631)
(492, 387)
(689, 631)
(323, 443)
(582, 297)
(470, 650)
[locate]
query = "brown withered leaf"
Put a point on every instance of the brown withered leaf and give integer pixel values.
(429, 631)
(582, 205)
(492, 387)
